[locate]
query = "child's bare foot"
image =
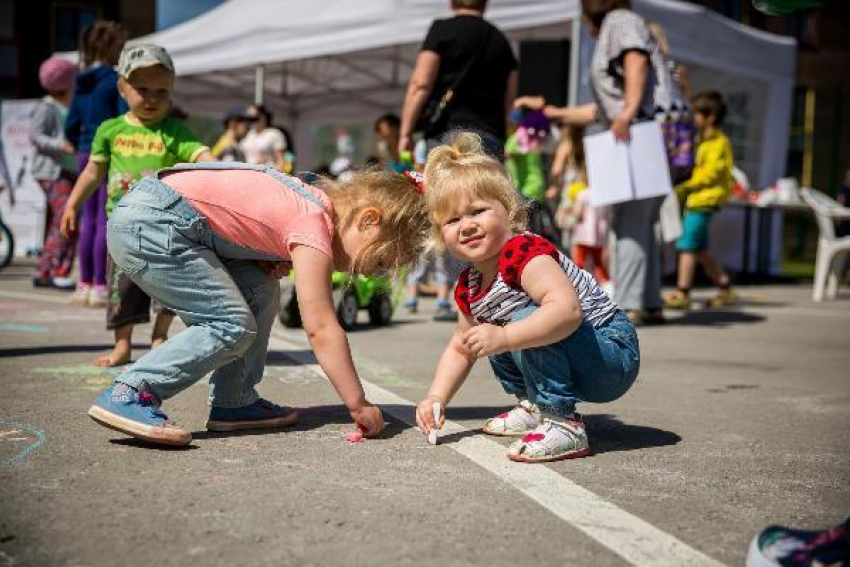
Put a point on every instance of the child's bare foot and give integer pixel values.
(120, 355)
(156, 342)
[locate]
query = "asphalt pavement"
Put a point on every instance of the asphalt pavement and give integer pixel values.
(739, 419)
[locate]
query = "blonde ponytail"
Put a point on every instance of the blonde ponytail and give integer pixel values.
(460, 171)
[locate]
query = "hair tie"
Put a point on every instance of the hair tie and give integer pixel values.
(417, 179)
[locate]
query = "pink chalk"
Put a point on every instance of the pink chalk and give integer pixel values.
(354, 436)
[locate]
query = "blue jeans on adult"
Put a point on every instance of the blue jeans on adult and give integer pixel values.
(226, 300)
(593, 364)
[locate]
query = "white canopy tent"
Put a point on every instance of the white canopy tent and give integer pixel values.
(337, 60)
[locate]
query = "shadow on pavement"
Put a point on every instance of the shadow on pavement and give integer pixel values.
(713, 318)
(139, 444)
(310, 418)
(365, 327)
(290, 357)
(607, 433)
(60, 349)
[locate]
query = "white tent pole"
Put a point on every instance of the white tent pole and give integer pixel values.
(259, 83)
(575, 61)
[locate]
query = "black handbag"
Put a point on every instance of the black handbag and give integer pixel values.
(435, 112)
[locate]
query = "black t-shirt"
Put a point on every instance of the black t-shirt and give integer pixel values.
(479, 101)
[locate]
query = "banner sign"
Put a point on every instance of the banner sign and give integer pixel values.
(22, 202)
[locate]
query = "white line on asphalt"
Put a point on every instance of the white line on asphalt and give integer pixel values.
(33, 296)
(630, 537)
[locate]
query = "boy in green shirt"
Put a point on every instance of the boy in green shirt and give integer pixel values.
(128, 148)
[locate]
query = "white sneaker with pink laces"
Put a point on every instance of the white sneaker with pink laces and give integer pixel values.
(519, 421)
(552, 441)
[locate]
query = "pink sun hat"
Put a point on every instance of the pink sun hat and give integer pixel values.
(57, 74)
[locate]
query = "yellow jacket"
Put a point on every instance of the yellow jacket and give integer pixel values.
(711, 181)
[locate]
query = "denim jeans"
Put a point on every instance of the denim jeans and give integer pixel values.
(226, 301)
(591, 365)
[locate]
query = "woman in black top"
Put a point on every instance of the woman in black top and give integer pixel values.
(470, 54)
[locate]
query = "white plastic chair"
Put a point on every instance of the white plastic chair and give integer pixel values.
(832, 251)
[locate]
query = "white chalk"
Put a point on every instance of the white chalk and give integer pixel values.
(432, 435)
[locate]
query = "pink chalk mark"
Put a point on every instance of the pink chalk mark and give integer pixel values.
(354, 436)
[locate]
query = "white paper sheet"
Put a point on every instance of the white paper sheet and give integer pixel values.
(650, 171)
(635, 170)
(607, 162)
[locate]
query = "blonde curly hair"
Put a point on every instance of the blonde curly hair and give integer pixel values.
(460, 171)
(404, 226)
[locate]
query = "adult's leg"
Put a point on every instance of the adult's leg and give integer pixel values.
(637, 265)
(652, 300)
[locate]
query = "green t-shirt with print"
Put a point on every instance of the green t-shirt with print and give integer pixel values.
(134, 151)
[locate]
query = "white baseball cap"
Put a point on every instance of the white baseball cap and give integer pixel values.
(140, 56)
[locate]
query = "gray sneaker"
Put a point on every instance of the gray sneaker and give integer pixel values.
(445, 313)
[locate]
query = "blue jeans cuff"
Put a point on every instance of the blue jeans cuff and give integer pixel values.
(557, 410)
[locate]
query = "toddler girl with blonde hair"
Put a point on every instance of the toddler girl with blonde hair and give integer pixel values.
(552, 336)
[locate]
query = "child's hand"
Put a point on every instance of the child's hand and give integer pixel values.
(68, 148)
(485, 340)
(425, 414)
(369, 419)
(68, 222)
(530, 102)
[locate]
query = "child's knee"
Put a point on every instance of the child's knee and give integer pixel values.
(237, 335)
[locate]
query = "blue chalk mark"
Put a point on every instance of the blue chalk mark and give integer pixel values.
(18, 328)
(40, 438)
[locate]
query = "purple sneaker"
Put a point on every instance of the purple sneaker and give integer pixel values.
(777, 546)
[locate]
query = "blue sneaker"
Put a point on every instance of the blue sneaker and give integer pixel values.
(778, 546)
(137, 414)
(262, 414)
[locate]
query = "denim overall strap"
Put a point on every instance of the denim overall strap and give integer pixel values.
(294, 185)
(225, 165)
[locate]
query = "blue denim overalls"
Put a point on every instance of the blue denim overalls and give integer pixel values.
(226, 300)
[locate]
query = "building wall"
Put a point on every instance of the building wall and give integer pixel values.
(42, 27)
(819, 152)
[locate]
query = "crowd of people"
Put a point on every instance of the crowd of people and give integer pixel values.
(553, 311)
(492, 162)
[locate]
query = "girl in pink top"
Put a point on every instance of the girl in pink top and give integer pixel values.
(208, 242)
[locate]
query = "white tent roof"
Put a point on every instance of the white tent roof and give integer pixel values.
(351, 59)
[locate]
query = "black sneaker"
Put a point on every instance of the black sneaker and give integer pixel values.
(262, 414)
(777, 546)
